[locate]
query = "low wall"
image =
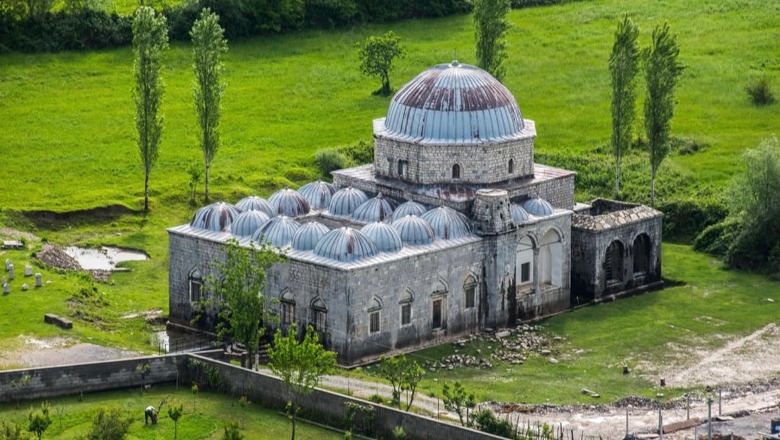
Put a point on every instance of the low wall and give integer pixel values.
(271, 391)
(66, 380)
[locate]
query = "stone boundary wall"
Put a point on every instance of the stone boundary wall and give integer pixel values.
(73, 379)
(270, 391)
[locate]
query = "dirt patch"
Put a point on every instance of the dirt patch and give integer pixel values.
(151, 316)
(15, 234)
(55, 257)
(55, 220)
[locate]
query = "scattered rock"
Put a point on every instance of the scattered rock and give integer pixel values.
(56, 257)
(590, 393)
(552, 361)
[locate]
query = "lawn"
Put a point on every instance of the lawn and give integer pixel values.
(203, 418)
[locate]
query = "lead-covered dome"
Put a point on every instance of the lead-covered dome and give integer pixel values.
(519, 215)
(414, 230)
(215, 217)
(408, 208)
(289, 202)
(317, 193)
(248, 222)
(256, 203)
(346, 200)
(345, 244)
(538, 207)
(278, 231)
(376, 209)
(454, 103)
(447, 223)
(308, 235)
(384, 236)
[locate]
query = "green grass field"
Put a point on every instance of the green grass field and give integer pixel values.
(66, 143)
(203, 418)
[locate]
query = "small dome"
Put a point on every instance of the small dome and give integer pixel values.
(345, 244)
(307, 236)
(414, 230)
(256, 203)
(346, 200)
(289, 202)
(538, 207)
(373, 210)
(447, 223)
(519, 215)
(247, 223)
(384, 236)
(454, 103)
(408, 208)
(216, 217)
(317, 193)
(278, 231)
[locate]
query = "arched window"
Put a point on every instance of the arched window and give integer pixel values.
(511, 166)
(195, 281)
(373, 316)
(642, 248)
(470, 291)
(550, 259)
(456, 171)
(613, 262)
(406, 307)
(319, 313)
(287, 301)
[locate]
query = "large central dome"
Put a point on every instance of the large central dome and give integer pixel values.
(454, 103)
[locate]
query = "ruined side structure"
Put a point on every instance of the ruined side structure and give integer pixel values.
(452, 229)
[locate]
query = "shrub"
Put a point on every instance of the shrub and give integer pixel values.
(760, 91)
(108, 425)
(360, 153)
(685, 219)
(330, 160)
(716, 239)
(486, 421)
(376, 398)
(232, 432)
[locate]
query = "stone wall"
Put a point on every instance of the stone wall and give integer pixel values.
(326, 405)
(67, 380)
(483, 163)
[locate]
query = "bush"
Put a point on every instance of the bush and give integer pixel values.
(232, 432)
(716, 239)
(330, 160)
(376, 398)
(360, 153)
(486, 421)
(685, 219)
(108, 425)
(760, 91)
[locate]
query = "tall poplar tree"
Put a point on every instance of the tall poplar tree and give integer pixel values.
(208, 45)
(150, 39)
(623, 67)
(662, 71)
(490, 32)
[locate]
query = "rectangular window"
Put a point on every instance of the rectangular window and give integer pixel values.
(525, 272)
(406, 314)
(374, 324)
(288, 313)
(319, 321)
(195, 288)
(437, 313)
(471, 296)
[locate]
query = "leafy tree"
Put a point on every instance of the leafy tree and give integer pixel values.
(195, 173)
(458, 400)
(299, 365)
(490, 32)
(244, 309)
(208, 45)
(39, 420)
(404, 375)
(623, 67)
(13, 432)
(109, 425)
(662, 71)
(175, 412)
(194, 390)
(376, 58)
(150, 39)
(37, 9)
(19, 385)
(232, 432)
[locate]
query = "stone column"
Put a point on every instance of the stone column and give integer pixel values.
(535, 271)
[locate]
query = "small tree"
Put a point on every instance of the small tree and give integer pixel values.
(299, 365)
(456, 399)
(376, 58)
(150, 39)
(19, 385)
(208, 45)
(390, 369)
(662, 71)
(109, 425)
(175, 412)
(195, 173)
(244, 310)
(232, 432)
(404, 375)
(623, 67)
(194, 390)
(39, 420)
(490, 33)
(412, 374)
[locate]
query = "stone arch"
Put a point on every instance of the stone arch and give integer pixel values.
(287, 306)
(319, 314)
(441, 286)
(374, 309)
(613, 262)
(642, 251)
(470, 287)
(551, 258)
(456, 171)
(406, 297)
(511, 166)
(374, 304)
(195, 284)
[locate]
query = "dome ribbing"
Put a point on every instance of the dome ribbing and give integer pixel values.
(414, 230)
(376, 209)
(384, 236)
(346, 200)
(317, 193)
(278, 231)
(248, 222)
(289, 202)
(345, 244)
(308, 235)
(447, 223)
(256, 203)
(215, 217)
